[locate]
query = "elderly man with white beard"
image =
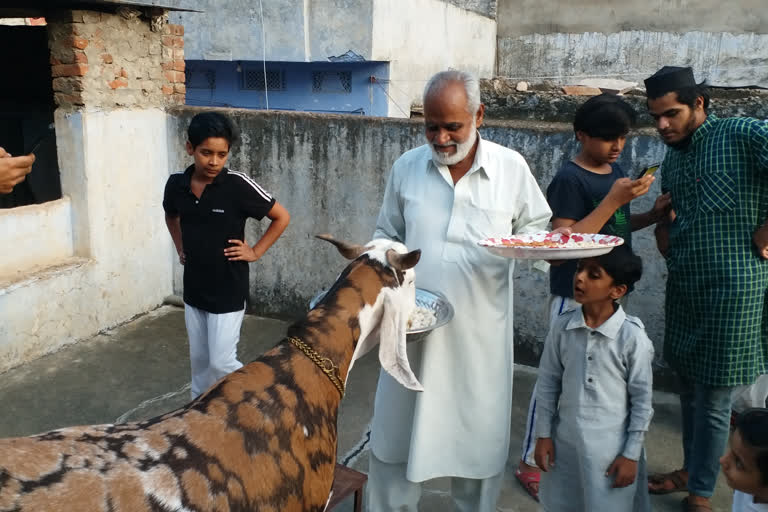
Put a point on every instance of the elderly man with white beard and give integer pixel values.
(442, 198)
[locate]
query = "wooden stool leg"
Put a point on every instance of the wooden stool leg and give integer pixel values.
(359, 500)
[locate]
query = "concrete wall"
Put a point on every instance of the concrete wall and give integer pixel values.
(422, 37)
(365, 97)
(28, 228)
(502, 101)
(296, 30)
(520, 17)
(568, 41)
(485, 7)
(107, 253)
(330, 172)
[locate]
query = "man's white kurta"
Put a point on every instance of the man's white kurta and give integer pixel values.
(459, 426)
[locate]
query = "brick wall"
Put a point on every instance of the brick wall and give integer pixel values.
(128, 58)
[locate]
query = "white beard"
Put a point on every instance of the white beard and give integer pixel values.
(462, 150)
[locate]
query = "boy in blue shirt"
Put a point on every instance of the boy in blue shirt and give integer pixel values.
(594, 394)
(590, 194)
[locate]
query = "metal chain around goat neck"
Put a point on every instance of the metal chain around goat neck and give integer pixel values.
(325, 364)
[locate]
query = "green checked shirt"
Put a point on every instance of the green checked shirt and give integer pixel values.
(716, 316)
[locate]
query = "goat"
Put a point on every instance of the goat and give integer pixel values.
(262, 438)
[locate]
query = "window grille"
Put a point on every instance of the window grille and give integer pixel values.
(332, 81)
(253, 79)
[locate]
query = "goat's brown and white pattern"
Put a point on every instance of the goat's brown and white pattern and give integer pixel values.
(263, 438)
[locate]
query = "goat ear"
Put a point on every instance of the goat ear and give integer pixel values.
(349, 251)
(392, 343)
(400, 261)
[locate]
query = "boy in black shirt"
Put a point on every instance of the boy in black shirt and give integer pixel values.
(206, 207)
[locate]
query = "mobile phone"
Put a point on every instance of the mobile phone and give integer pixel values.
(648, 171)
(41, 138)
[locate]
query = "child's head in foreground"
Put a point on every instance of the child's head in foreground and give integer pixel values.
(607, 277)
(745, 465)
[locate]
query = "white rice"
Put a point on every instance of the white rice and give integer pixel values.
(421, 318)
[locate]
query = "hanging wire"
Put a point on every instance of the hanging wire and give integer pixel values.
(264, 52)
(375, 80)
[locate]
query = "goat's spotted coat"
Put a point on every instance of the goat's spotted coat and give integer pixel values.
(263, 438)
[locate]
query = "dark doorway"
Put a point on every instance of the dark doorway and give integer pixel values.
(26, 113)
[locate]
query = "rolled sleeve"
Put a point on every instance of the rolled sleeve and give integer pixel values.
(633, 448)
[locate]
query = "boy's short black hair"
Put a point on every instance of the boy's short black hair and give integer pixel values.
(752, 424)
(623, 265)
(606, 116)
(211, 124)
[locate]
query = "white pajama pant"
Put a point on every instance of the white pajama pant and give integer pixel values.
(213, 341)
(388, 490)
(752, 395)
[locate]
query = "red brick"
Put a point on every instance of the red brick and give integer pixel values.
(178, 54)
(168, 40)
(167, 66)
(81, 58)
(64, 99)
(178, 42)
(179, 88)
(79, 43)
(69, 70)
(167, 90)
(177, 30)
(179, 65)
(67, 85)
(54, 61)
(123, 73)
(106, 58)
(170, 76)
(118, 82)
(180, 77)
(581, 90)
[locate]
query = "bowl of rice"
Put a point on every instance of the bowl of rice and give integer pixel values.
(432, 310)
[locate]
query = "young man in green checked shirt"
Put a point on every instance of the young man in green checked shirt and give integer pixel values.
(716, 245)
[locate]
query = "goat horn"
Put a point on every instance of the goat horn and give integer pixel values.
(405, 261)
(349, 251)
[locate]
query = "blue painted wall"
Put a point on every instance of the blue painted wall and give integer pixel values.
(364, 97)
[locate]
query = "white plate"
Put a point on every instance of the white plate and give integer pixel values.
(578, 245)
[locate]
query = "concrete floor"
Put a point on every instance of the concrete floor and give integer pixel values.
(141, 369)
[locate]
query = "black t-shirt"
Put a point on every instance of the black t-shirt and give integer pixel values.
(212, 282)
(573, 194)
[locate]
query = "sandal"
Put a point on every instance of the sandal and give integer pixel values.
(530, 482)
(689, 507)
(660, 479)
